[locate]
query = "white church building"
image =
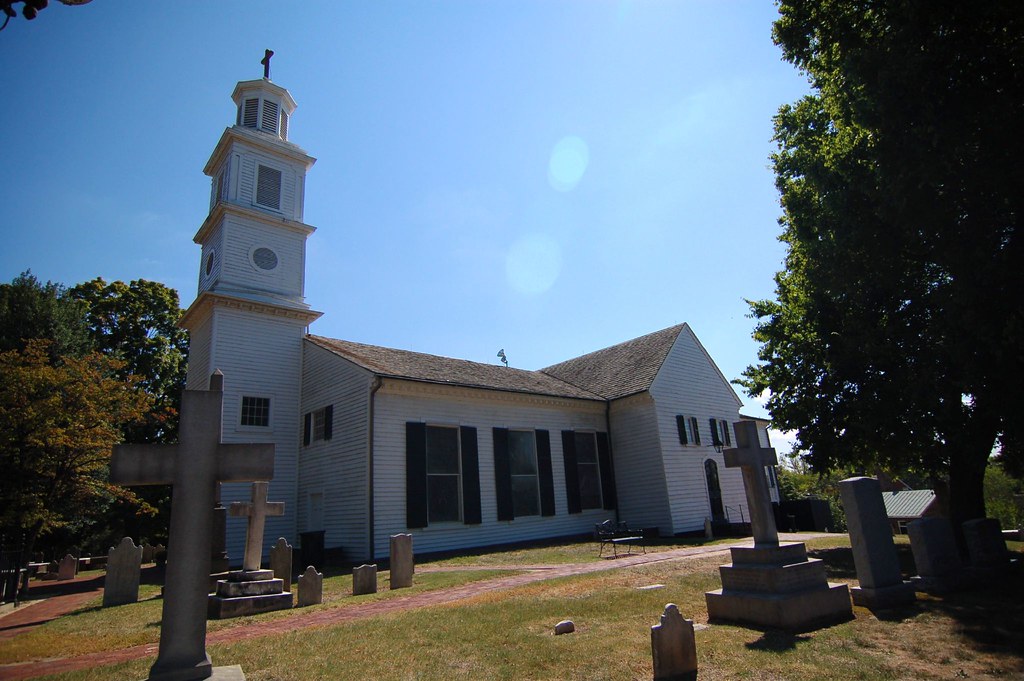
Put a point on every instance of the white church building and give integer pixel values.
(373, 441)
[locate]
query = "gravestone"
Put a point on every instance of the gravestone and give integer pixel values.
(874, 552)
(281, 561)
(67, 567)
(986, 546)
(250, 591)
(193, 467)
(124, 565)
(673, 647)
(147, 552)
(311, 587)
(939, 568)
(771, 584)
(402, 564)
(219, 562)
(364, 580)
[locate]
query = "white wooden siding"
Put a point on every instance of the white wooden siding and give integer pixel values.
(214, 242)
(291, 185)
(241, 237)
(639, 470)
(484, 412)
(337, 468)
(689, 383)
(199, 369)
(261, 356)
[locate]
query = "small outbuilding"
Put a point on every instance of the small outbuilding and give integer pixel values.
(903, 506)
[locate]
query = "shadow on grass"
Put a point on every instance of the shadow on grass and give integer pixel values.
(777, 641)
(989, 613)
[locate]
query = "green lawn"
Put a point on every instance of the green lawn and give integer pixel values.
(508, 634)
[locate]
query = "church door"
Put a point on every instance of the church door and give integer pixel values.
(714, 491)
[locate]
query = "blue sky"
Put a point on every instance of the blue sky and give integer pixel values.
(546, 177)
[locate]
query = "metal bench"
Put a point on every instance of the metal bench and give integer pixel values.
(614, 534)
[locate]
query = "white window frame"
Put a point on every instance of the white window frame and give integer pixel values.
(597, 464)
(692, 431)
(270, 412)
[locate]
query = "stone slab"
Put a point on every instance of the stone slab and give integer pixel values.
(402, 565)
(223, 608)
(985, 544)
(250, 575)
(281, 560)
(783, 554)
(796, 612)
(364, 580)
(759, 578)
(874, 552)
(892, 596)
(939, 568)
(311, 587)
(67, 568)
(121, 583)
(673, 649)
(265, 587)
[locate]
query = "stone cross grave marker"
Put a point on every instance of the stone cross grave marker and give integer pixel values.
(311, 587)
(402, 565)
(124, 565)
(750, 457)
(673, 647)
(257, 511)
(874, 552)
(281, 561)
(193, 467)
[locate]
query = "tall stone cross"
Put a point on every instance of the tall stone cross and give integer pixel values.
(257, 511)
(194, 466)
(750, 457)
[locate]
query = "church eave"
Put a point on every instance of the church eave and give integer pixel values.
(262, 141)
(407, 385)
(263, 84)
(224, 208)
(203, 306)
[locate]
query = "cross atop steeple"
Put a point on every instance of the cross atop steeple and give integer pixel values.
(267, 54)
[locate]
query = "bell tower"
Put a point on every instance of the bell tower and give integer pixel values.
(250, 315)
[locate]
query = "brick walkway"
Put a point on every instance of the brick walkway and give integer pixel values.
(331, 617)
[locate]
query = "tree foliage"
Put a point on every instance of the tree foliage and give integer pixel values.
(58, 423)
(30, 309)
(137, 323)
(896, 336)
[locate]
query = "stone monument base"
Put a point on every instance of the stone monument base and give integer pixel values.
(893, 596)
(777, 587)
(248, 593)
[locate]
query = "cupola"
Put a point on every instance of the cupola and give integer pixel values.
(263, 106)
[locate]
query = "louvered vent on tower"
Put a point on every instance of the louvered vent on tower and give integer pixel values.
(269, 123)
(268, 187)
(251, 112)
(284, 125)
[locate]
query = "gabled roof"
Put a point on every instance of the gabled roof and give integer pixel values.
(908, 503)
(418, 366)
(624, 369)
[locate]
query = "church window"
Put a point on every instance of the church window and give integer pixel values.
(716, 433)
(522, 457)
(694, 431)
(443, 499)
(319, 425)
(264, 258)
(726, 437)
(268, 187)
(255, 411)
(442, 475)
(689, 434)
(589, 479)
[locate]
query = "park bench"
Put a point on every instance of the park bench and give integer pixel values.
(614, 534)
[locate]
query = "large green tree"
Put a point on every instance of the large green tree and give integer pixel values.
(58, 423)
(896, 338)
(31, 309)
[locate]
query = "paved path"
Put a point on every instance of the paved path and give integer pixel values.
(331, 617)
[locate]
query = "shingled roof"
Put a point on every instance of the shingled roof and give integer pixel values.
(624, 369)
(418, 366)
(908, 503)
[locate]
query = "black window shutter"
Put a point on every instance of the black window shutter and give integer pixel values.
(502, 475)
(470, 477)
(415, 474)
(696, 430)
(307, 428)
(572, 481)
(328, 421)
(728, 437)
(681, 426)
(604, 460)
(547, 480)
(715, 439)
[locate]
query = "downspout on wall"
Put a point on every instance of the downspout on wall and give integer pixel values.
(611, 453)
(375, 385)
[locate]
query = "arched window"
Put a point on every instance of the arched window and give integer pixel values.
(714, 490)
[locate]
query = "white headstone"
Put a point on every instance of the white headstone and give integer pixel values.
(124, 567)
(673, 647)
(281, 561)
(364, 580)
(67, 568)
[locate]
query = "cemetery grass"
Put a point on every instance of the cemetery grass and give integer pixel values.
(93, 628)
(508, 635)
